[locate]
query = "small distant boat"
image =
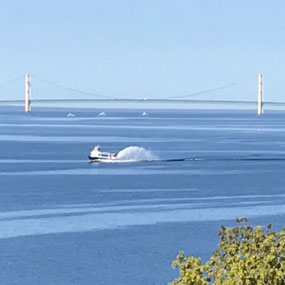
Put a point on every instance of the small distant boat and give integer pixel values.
(97, 155)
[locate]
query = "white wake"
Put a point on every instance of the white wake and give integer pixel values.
(135, 153)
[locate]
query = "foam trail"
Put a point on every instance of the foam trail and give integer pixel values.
(135, 153)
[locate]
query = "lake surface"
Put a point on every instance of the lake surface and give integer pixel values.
(64, 220)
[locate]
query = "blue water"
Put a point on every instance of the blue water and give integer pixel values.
(64, 220)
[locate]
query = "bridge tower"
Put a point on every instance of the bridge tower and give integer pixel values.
(28, 107)
(260, 96)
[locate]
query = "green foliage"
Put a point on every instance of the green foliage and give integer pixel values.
(246, 256)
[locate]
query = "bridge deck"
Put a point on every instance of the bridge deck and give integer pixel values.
(142, 100)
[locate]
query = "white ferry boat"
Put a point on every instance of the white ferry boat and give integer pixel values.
(97, 155)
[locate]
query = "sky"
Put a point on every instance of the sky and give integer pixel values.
(143, 48)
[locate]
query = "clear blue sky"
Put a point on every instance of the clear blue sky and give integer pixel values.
(146, 48)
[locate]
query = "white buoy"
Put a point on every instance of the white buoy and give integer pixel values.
(260, 96)
(102, 114)
(28, 107)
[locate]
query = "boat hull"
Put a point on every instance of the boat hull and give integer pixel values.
(97, 158)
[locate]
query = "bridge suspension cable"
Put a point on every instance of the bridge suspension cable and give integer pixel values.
(12, 81)
(116, 98)
(203, 91)
(71, 89)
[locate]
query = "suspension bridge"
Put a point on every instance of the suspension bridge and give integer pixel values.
(27, 100)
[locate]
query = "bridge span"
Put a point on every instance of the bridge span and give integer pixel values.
(143, 100)
(182, 100)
